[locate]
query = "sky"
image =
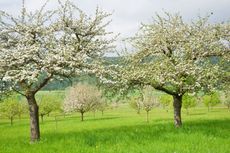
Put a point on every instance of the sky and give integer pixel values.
(128, 14)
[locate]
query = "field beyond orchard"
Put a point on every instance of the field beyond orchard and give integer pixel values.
(122, 130)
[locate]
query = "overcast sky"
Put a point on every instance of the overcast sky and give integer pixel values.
(128, 14)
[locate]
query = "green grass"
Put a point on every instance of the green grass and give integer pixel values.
(121, 130)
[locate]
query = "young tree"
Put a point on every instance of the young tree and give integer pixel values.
(188, 102)
(165, 101)
(175, 57)
(48, 104)
(39, 46)
(10, 108)
(149, 100)
(211, 99)
(225, 97)
(22, 108)
(102, 105)
(82, 98)
(135, 103)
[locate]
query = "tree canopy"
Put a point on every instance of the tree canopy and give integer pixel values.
(45, 45)
(176, 57)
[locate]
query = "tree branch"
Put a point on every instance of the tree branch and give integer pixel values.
(19, 92)
(42, 84)
(161, 88)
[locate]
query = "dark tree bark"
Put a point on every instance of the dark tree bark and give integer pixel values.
(34, 118)
(102, 113)
(177, 103)
(42, 117)
(147, 116)
(82, 116)
(11, 120)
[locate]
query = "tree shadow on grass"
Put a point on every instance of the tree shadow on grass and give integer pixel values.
(78, 119)
(196, 114)
(101, 118)
(138, 133)
(16, 123)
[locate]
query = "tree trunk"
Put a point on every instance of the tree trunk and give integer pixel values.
(147, 116)
(55, 118)
(11, 120)
(34, 118)
(138, 111)
(102, 113)
(177, 102)
(82, 116)
(94, 114)
(42, 117)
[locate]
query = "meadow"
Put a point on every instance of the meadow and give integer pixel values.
(122, 130)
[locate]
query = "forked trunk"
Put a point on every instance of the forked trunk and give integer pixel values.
(177, 103)
(34, 118)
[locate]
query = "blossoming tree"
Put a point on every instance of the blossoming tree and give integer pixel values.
(176, 57)
(82, 98)
(39, 46)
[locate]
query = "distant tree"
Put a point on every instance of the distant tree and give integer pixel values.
(225, 98)
(188, 102)
(211, 99)
(22, 108)
(62, 110)
(102, 105)
(44, 45)
(165, 101)
(10, 108)
(48, 104)
(81, 98)
(114, 104)
(135, 103)
(149, 100)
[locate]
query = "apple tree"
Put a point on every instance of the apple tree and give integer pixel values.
(43, 45)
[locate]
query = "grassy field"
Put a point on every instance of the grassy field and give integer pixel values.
(121, 130)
